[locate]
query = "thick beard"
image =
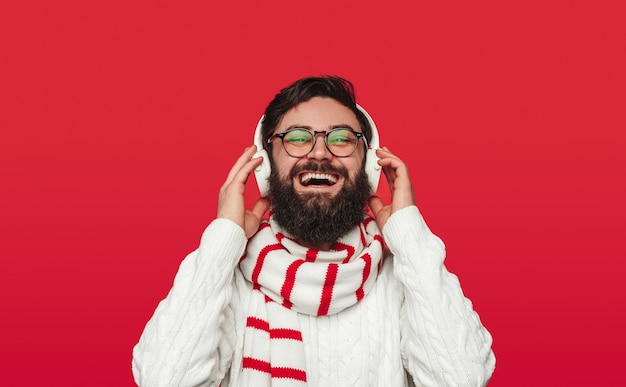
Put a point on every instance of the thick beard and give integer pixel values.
(318, 218)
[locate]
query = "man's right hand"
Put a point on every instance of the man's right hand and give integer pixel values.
(231, 203)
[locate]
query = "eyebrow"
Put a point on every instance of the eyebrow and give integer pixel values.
(344, 126)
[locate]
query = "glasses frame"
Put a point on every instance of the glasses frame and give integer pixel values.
(314, 134)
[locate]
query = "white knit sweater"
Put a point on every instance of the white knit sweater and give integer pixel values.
(414, 326)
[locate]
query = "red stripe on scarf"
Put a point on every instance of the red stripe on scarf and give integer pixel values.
(311, 255)
(275, 333)
(288, 373)
(257, 323)
(290, 281)
(366, 273)
(275, 372)
(259, 264)
(327, 291)
(285, 333)
(379, 238)
(256, 364)
(290, 277)
(338, 246)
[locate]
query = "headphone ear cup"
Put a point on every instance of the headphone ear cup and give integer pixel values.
(262, 172)
(372, 169)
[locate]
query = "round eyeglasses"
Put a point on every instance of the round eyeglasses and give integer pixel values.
(299, 142)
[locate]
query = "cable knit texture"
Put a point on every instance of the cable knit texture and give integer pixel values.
(414, 325)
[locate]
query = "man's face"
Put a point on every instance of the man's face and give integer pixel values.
(318, 114)
(318, 211)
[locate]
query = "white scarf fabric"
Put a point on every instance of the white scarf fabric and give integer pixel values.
(289, 279)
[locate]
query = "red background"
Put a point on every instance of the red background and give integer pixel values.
(120, 121)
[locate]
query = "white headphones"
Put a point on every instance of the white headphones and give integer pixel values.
(262, 172)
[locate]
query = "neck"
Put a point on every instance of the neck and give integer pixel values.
(320, 247)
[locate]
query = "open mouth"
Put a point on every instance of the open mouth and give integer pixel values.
(311, 178)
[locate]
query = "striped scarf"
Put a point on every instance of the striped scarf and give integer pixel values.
(289, 279)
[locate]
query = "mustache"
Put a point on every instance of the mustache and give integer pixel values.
(319, 167)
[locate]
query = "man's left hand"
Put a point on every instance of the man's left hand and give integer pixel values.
(399, 182)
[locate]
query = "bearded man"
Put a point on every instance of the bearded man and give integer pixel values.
(319, 294)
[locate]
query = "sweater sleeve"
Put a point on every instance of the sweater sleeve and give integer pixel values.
(443, 341)
(189, 341)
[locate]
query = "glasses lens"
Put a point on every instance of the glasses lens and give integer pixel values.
(298, 142)
(341, 142)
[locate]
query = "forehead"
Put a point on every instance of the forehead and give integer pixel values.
(319, 114)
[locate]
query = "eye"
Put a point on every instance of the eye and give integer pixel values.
(341, 137)
(297, 137)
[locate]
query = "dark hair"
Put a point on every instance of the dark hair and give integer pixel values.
(303, 90)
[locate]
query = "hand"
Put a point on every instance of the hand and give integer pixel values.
(231, 203)
(397, 176)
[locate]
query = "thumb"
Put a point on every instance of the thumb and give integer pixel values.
(375, 203)
(260, 207)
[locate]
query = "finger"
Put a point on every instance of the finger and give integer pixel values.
(241, 161)
(385, 156)
(385, 152)
(260, 207)
(389, 176)
(240, 177)
(395, 166)
(389, 170)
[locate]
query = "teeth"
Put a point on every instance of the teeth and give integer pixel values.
(306, 177)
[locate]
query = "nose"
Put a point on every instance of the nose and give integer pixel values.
(320, 151)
